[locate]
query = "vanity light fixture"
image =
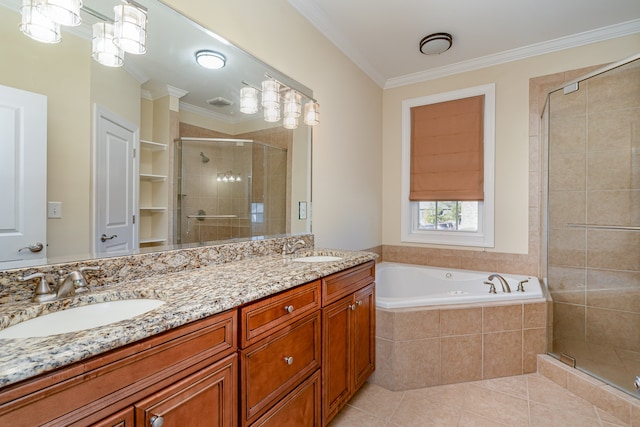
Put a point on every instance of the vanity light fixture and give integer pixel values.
(210, 59)
(312, 113)
(130, 27)
(291, 107)
(436, 43)
(103, 49)
(63, 12)
(228, 176)
(248, 100)
(37, 26)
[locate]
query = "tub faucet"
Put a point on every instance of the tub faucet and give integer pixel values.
(503, 282)
(292, 248)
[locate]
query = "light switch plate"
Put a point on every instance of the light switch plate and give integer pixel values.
(54, 210)
(302, 210)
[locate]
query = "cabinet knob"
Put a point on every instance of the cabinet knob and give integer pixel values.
(359, 302)
(289, 360)
(352, 307)
(288, 308)
(156, 421)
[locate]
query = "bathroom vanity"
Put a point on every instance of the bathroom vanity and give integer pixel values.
(275, 342)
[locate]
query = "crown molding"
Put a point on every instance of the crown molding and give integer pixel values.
(568, 42)
(319, 19)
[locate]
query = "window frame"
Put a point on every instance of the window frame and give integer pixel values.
(484, 237)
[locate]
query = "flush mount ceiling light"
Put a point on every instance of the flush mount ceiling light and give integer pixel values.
(436, 43)
(210, 59)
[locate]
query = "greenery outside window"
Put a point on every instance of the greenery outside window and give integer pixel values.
(465, 223)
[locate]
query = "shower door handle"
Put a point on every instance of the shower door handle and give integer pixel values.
(34, 247)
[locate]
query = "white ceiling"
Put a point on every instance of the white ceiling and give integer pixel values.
(382, 36)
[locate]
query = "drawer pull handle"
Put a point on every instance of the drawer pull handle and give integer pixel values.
(156, 421)
(289, 360)
(288, 308)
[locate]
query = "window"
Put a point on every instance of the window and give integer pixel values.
(257, 212)
(452, 222)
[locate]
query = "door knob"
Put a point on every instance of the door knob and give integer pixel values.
(104, 237)
(34, 247)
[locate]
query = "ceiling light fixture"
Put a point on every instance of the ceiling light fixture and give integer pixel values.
(436, 43)
(210, 59)
(248, 100)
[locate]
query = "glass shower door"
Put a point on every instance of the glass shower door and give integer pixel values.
(593, 224)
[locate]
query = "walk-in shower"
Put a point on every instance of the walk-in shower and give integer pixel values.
(228, 188)
(592, 147)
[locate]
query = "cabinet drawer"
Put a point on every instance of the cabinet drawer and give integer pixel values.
(273, 367)
(262, 318)
(346, 282)
(301, 407)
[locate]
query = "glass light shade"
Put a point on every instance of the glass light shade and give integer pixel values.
(64, 12)
(312, 113)
(292, 104)
(272, 113)
(270, 94)
(238, 178)
(290, 122)
(210, 59)
(104, 51)
(38, 26)
(249, 100)
(130, 29)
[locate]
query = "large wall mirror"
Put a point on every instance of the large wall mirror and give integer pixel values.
(149, 156)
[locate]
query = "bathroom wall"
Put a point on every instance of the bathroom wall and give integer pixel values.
(517, 207)
(347, 144)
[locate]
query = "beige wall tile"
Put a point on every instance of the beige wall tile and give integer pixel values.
(461, 321)
(567, 172)
(502, 318)
(384, 324)
(567, 284)
(502, 354)
(615, 250)
(567, 207)
(599, 207)
(534, 315)
(568, 134)
(615, 90)
(461, 359)
(417, 363)
(609, 170)
(618, 329)
(613, 130)
(567, 247)
(419, 324)
(568, 322)
(384, 375)
(534, 343)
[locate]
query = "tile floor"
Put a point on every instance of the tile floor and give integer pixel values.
(525, 400)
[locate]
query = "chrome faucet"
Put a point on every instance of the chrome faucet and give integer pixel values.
(503, 282)
(292, 248)
(66, 285)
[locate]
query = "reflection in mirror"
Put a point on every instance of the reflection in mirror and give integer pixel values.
(150, 155)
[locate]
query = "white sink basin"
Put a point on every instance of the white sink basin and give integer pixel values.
(318, 258)
(80, 318)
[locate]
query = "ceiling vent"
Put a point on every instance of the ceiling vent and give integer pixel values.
(219, 102)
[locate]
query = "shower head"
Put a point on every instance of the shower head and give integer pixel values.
(205, 159)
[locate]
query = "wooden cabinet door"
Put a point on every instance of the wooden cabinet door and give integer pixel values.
(124, 418)
(337, 356)
(364, 330)
(205, 399)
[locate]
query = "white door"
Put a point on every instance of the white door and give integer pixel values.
(23, 178)
(116, 182)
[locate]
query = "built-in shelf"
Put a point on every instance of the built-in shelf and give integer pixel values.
(153, 240)
(152, 178)
(152, 146)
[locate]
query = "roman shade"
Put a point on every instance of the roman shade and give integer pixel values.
(447, 151)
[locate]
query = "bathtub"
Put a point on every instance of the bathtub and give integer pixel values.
(406, 285)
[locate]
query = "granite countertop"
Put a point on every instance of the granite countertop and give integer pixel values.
(188, 296)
